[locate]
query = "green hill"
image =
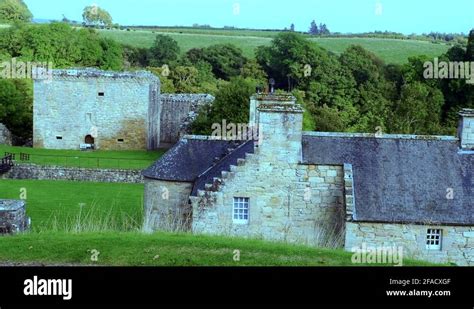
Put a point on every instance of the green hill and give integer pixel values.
(390, 50)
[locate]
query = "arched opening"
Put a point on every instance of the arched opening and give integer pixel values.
(89, 140)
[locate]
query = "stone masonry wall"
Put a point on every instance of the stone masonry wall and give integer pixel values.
(178, 111)
(293, 203)
(13, 217)
(166, 205)
(466, 128)
(5, 136)
(68, 108)
(457, 242)
(31, 171)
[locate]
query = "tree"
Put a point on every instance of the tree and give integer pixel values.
(14, 11)
(231, 104)
(16, 101)
(112, 55)
(364, 65)
(62, 45)
(96, 16)
(164, 51)
(226, 60)
(323, 29)
(292, 27)
(253, 70)
(185, 79)
(313, 29)
(419, 110)
(470, 47)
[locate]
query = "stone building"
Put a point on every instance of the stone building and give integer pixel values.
(109, 110)
(5, 136)
(322, 189)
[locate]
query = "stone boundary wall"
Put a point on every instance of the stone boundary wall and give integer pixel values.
(36, 172)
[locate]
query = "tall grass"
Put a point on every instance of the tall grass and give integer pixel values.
(92, 219)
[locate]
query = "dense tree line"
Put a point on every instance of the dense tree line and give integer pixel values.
(353, 91)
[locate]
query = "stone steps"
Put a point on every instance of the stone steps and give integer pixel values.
(218, 182)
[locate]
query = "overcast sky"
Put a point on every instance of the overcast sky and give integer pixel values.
(406, 16)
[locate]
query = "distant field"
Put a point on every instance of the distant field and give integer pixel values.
(390, 50)
(186, 41)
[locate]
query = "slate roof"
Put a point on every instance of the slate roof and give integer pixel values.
(401, 179)
(223, 165)
(190, 158)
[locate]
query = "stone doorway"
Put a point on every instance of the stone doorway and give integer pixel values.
(89, 140)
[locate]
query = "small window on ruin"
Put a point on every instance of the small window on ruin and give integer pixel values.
(101, 94)
(120, 140)
(241, 210)
(433, 239)
(89, 140)
(59, 137)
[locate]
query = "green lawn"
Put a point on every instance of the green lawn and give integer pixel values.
(77, 206)
(89, 159)
(163, 249)
(390, 50)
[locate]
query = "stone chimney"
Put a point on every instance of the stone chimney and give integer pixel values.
(280, 124)
(466, 129)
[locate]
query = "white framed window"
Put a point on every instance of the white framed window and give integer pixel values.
(240, 212)
(433, 239)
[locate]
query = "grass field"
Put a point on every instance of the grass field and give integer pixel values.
(390, 50)
(162, 249)
(88, 159)
(76, 206)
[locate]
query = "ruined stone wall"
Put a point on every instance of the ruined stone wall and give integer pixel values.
(32, 171)
(178, 111)
(113, 108)
(457, 241)
(5, 136)
(166, 205)
(13, 217)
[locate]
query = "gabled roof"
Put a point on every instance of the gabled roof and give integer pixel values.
(223, 165)
(190, 158)
(402, 179)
